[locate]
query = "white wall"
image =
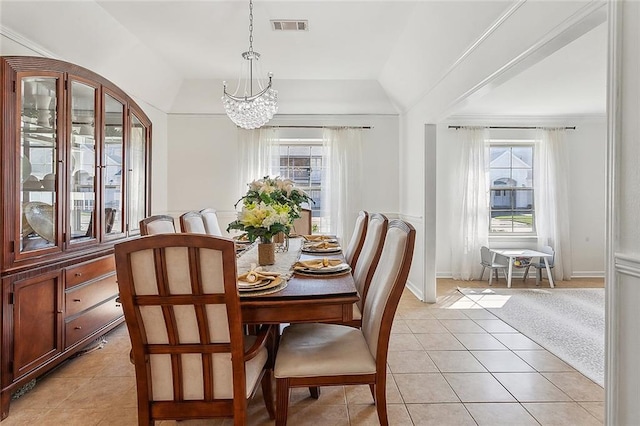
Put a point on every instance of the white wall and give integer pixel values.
(203, 161)
(586, 181)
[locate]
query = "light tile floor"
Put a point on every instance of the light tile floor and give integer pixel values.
(446, 366)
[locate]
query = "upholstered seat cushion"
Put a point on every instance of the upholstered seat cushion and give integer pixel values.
(254, 366)
(313, 350)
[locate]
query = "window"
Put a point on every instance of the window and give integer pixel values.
(511, 173)
(302, 161)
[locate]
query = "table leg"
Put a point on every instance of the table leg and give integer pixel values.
(510, 271)
(546, 265)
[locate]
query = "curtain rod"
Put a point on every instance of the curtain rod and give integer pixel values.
(321, 127)
(511, 127)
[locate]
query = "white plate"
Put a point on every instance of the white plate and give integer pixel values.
(325, 271)
(270, 283)
(40, 217)
(310, 239)
(322, 250)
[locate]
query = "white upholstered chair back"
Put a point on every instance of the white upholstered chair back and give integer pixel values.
(193, 223)
(302, 225)
(211, 224)
(352, 251)
(158, 224)
(386, 285)
(370, 254)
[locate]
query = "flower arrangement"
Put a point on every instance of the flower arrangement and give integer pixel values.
(277, 191)
(269, 207)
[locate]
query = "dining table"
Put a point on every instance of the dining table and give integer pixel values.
(304, 298)
(513, 254)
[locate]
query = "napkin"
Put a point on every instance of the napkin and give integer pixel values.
(323, 245)
(317, 263)
(317, 237)
(256, 275)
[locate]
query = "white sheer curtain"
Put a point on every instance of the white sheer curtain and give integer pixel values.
(258, 155)
(470, 204)
(341, 195)
(551, 198)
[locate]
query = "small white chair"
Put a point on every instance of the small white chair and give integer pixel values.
(487, 261)
(541, 265)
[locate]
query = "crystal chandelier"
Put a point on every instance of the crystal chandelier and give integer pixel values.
(244, 108)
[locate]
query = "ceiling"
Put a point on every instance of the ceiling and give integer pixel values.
(357, 57)
(571, 81)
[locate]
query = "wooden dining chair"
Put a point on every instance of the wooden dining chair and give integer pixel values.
(193, 223)
(158, 224)
(211, 224)
(368, 261)
(312, 355)
(302, 225)
(182, 310)
(352, 251)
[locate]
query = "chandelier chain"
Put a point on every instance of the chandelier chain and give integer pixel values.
(251, 26)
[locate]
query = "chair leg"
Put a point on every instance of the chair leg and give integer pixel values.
(314, 392)
(538, 276)
(490, 276)
(372, 388)
(526, 272)
(381, 401)
(282, 401)
(267, 393)
(482, 273)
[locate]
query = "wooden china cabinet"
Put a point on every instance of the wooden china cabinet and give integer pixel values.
(74, 180)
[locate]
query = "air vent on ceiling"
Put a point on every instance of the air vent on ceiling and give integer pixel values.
(290, 25)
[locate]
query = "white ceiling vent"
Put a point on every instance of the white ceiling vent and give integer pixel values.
(290, 25)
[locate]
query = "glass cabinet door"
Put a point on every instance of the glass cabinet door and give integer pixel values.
(38, 164)
(112, 166)
(137, 174)
(82, 162)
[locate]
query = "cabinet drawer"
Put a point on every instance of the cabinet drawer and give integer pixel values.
(87, 323)
(88, 271)
(82, 297)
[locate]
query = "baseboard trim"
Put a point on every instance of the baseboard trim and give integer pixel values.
(415, 290)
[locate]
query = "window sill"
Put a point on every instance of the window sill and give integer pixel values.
(513, 238)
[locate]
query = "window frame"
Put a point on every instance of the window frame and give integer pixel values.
(318, 216)
(512, 143)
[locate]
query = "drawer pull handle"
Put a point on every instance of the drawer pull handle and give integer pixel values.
(77, 327)
(117, 306)
(59, 311)
(78, 274)
(76, 300)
